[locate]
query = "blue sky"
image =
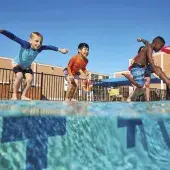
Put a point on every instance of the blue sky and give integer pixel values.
(109, 27)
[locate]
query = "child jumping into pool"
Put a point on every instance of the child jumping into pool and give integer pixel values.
(147, 75)
(145, 60)
(136, 91)
(75, 65)
(139, 91)
(22, 62)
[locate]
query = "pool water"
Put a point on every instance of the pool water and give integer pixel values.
(44, 135)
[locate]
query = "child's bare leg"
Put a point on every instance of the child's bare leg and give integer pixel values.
(67, 98)
(163, 76)
(130, 78)
(135, 86)
(147, 84)
(131, 94)
(29, 78)
(70, 90)
(16, 85)
(75, 90)
(129, 99)
(138, 92)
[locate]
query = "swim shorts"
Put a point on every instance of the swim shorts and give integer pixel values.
(148, 71)
(138, 73)
(24, 71)
(76, 76)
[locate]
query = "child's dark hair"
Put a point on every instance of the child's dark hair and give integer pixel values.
(82, 45)
(160, 39)
(65, 69)
(140, 49)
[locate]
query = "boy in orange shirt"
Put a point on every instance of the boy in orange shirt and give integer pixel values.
(77, 62)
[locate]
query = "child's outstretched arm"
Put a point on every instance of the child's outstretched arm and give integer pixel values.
(13, 37)
(50, 47)
(143, 40)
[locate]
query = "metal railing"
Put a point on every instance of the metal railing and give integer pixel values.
(53, 87)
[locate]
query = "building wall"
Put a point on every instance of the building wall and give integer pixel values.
(166, 64)
(48, 69)
(5, 63)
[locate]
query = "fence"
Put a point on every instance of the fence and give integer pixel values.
(53, 87)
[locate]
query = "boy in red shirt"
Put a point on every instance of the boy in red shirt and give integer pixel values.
(77, 62)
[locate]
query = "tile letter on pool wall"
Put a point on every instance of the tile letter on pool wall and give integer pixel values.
(131, 129)
(35, 129)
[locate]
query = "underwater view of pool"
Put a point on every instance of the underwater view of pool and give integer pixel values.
(48, 135)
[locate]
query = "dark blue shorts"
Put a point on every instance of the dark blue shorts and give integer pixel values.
(148, 71)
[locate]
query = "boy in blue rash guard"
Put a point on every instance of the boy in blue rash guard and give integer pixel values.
(22, 62)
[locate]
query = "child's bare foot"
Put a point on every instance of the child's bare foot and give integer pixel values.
(14, 97)
(73, 100)
(25, 98)
(67, 100)
(128, 99)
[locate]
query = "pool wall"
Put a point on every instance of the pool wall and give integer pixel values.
(84, 143)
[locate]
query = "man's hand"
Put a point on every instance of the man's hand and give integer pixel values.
(63, 50)
(1, 30)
